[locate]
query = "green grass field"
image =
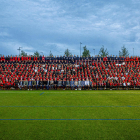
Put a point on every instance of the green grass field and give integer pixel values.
(69, 115)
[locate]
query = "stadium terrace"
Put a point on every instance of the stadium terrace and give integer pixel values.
(75, 73)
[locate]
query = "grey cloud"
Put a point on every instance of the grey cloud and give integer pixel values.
(54, 25)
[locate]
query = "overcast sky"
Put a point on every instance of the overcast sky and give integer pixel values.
(55, 25)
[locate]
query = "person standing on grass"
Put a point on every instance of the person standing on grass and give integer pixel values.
(120, 84)
(83, 84)
(30, 84)
(128, 84)
(124, 85)
(41, 84)
(79, 84)
(76, 84)
(67, 84)
(37, 83)
(90, 84)
(72, 84)
(20, 84)
(16, 83)
(1, 84)
(107, 84)
(59, 83)
(44, 82)
(34, 83)
(64, 84)
(87, 83)
(111, 84)
(51, 84)
(25, 84)
(48, 84)
(55, 84)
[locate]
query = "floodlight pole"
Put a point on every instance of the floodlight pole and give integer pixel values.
(19, 50)
(133, 52)
(80, 49)
(42, 53)
(94, 52)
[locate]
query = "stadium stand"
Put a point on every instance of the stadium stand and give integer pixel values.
(73, 72)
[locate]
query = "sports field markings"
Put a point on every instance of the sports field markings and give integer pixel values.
(41, 93)
(93, 92)
(85, 94)
(72, 106)
(71, 119)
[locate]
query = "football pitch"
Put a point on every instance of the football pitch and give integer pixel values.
(69, 115)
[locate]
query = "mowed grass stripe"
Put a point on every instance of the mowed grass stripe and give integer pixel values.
(68, 99)
(91, 119)
(70, 130)
(70, 113)
(71, 106)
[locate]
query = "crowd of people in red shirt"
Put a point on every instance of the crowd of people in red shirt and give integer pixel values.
(73, 72)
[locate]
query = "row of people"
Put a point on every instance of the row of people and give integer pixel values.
(70, 58)
(93, 72)
(99, 72)
(66, 84)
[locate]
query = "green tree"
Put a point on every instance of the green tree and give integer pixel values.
(103, 52)
(23, 53)
(124, 51)
(50, 55)
(36, 54)
(86, 52)
(67, 53)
